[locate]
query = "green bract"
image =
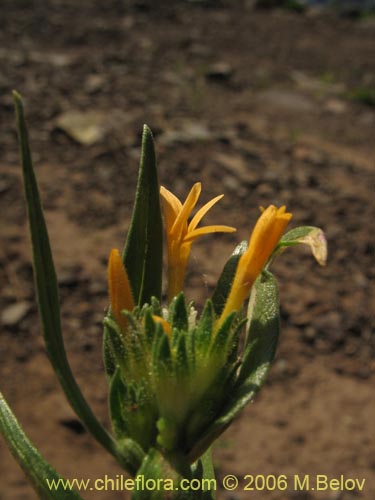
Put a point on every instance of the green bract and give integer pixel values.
(170, 385)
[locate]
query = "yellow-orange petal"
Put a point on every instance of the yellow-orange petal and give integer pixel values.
(166, 326)
(120, 294)
(171, 200)
(193, 235)
(180, 224)
(202, 212)
(169, 214)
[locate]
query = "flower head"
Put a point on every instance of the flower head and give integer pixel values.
(263, 240)
(181, 234)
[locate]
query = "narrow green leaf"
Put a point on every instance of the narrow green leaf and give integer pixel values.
(150, 469)
(225, 281)
(163, 359)
(123, 405)
(39, 472)
(47, 291)
(157, 468)
(181, 367)
(144, 245)
(263, 330)
(156, 307)
(167, 471)
(262, 338)
(149, 327)
(109, 358)
(222, 337)
(116, 342)
(204, 469)
(118, 396)
(179, 316)
(205, 327)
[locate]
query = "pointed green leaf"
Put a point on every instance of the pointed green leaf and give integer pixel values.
(204, 469)
(225, 281)
(163, 360)
(149, 327)
(181, 361)
(39, 472)
(47, 292)
(156, 467)
(263, 330)
(222, 337)
(109, 358)
(262, 338)
(144, 245)
(118, 398)
(156, 307)
(127, 421)
(168, 471)
(235, 339)
(179, 314)
(150, 469)
(114, 351)
(204, 330)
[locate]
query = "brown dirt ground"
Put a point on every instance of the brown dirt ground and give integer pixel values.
(255, 105)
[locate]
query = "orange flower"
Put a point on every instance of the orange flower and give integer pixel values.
(263, 240)
(119, 289)
(180, 234)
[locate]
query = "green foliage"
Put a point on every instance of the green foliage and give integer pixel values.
(260, 347)
(28, 457)
(224, 284)
(168, 383)
(178, 316)
(131, 412)
(46, 287)
(143, 252)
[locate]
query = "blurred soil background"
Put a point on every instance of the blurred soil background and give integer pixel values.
(266, 105)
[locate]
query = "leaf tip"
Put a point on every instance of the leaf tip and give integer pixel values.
(16, 96)
(147, 132)
(17, 100)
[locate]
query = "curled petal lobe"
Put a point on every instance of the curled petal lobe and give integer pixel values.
(193, 235)
(318, 244)
(202, 212)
